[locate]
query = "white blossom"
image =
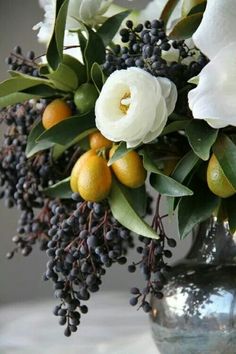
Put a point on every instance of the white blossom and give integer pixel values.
(133, 106)
(214, 98)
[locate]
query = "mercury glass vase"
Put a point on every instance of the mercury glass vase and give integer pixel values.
(198, 312)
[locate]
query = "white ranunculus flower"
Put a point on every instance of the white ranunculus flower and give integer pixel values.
(214, 98)
(133, 106)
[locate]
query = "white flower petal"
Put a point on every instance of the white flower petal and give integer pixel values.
(88, 9)
(218, 27)
(146, 114)
(169, 92)
(214, 99)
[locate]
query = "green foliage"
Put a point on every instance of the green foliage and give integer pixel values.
(185, 28)
(67, 130)
(182, 170)
(32, 146)
(225, 152)
(137, 197)
(55, 48)
(64, 78)
(119, 153)
(97, 76)
(123, 211)
(195, 209)
(94, 51)
(13, 98)
(201, 137)
(77, 67)
(162, 183)
(175, 126)
(168, 9)
(190, 7)
(60, 190)
(111, 26)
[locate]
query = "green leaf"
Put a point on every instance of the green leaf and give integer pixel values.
(168, 9)
(77, 67)
(111, 26)
(55, 48)
(225, 152)
(126, 215)
(175, 126)
(33, 147)
(64, 78)
(42, 91)
(58, 150)
(60, 190)
(19, 83)
(189, 5)
(137, 198)
(163, 184)
(183, 168)
(13, 98)
(119, 153)
(195, 209)
(95, 50)
(97, 76)
(230, 205)
(83, 44)
(67, 130)
(185, 28)
(201, 137)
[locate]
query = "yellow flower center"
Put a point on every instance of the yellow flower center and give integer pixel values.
(125, 102)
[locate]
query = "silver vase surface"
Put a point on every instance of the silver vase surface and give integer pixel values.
(198, 312)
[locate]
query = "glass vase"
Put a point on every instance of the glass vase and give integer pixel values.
(198, 312)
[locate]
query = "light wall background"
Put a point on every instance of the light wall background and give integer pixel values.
(21, 278)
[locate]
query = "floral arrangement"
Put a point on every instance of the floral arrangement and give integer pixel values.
(122, 100)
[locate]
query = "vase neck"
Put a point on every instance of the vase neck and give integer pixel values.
(213, 243)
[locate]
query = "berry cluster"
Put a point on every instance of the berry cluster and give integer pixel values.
(152, 264)
(83, 243)
(25, 64)
(144, 46)
(22, 180)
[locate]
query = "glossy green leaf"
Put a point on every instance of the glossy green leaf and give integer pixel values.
(94, 51)
(42, 91)
(19, 83)
(32, 146)
(185, 28)
(225, 151)
(58, 150)
(119, 153)
(162, 183)
(97, 76)
(183, 168)
(201, 137)
(111, 26)
(137, 198)
(13, 98)
(175, 126)
(77, 67)
(189, 5)
(55, 48)
(64, 78)
(83, 44)
(168, 10)
(67, 130)
(195, 209)
(123, 211)
(60, 190)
